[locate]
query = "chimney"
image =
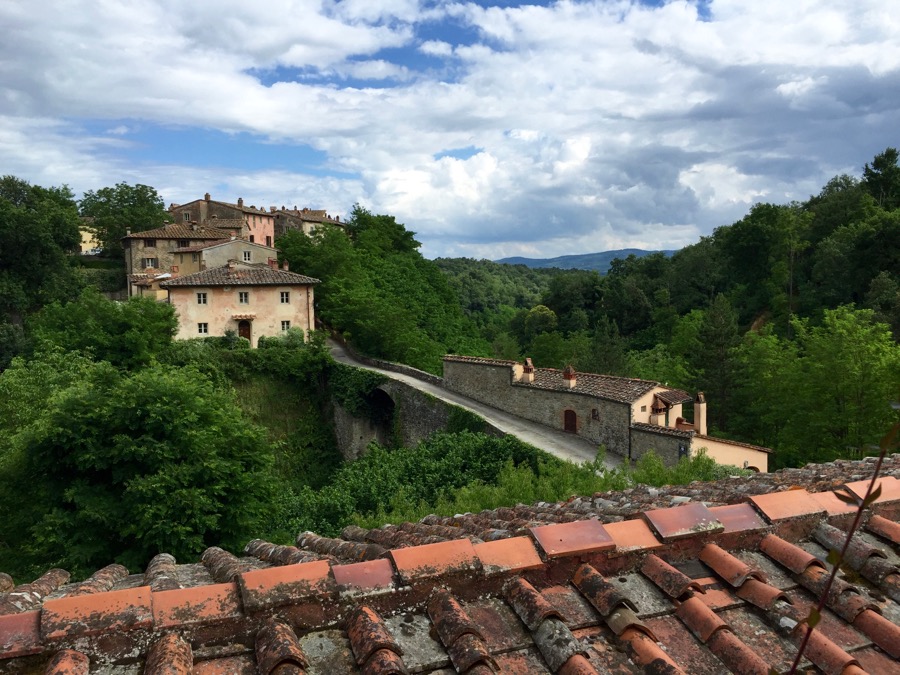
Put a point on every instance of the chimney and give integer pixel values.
(272, 209)
(700, 414)
(127, 231)
(232, 263)
(194, 225)
(285, 266)
(337, 219)
(241, 201)
(273, 263)
(528, 372)
(569, 377)
(206, 197)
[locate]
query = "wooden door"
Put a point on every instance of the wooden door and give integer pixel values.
(244, 330)
(569, 421)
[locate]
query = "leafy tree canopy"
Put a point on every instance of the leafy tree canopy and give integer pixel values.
(38, 226)
(115, 210)
(127, 334)
(124, 466)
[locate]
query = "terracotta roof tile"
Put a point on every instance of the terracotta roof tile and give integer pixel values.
(24, 597)
(683, 521)
(432, 560)
(96, 614)
(197, 605)
(368, 634)
(777, 506)
(20, 634)
(564, 539)
(180, 231)
(885, 528)
(277, 646)
(365, 576)
(672, 582)
(276, 586)
(607, 615)
(508, 555)
(241, 275)
(169, 655)
(68, 662)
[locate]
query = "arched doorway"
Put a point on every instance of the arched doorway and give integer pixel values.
(570, 421)
(244, 330)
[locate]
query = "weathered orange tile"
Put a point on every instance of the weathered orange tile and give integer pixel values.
(680, 522)
(431, 560)
(85, 615)
(229, 665)
(718, 598)
(738, 518)
(890, 488)
(368, 575)
(580, 536)
(20, 634)
(505, 555)
(276, 586)
(200, 604)
(632, 535)
(788, 504)
(884, 528)
(832, 505)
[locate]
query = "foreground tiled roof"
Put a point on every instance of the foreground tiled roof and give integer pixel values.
(241, 275)
(706, 578)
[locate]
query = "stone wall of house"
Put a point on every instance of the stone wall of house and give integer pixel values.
(665, 444)
(599, 420)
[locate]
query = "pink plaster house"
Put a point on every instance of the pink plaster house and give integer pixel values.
(252, 300)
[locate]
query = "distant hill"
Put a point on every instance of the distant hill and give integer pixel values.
(586, 261)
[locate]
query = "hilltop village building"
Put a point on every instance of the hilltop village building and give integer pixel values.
(252, 300)
(628, 416)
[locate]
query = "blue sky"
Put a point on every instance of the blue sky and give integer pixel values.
(489, 128)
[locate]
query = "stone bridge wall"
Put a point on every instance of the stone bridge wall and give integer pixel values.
(417, 416)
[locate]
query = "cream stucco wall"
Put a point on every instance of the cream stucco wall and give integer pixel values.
(222, 305)
(646, 402)
(730, 453)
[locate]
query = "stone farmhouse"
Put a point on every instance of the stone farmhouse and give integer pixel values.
(252, 300)
(629, 416)
(304, 220)
(244, 222)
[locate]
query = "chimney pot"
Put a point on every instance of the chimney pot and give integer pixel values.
(569, 377)
(206, 197)
(240, 201)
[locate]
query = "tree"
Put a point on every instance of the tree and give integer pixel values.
(850, 368)
(882, 179)
(38, 226)
(115, 210)
(127, 334)
(712, 361)
(124, 466)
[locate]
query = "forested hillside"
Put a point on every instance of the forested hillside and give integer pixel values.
(788, 319)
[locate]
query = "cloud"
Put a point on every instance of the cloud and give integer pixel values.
(594, 124)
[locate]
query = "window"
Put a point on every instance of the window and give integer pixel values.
(285, 297)
(193, 257)
(246, 256)
(285, 325)
(268, 240)
(149, 243)
(201, 298)
(244, 297)
(186, 216)
(183, 243)
(251, 238)
(150, 263)
(202, 328)
(643, 408)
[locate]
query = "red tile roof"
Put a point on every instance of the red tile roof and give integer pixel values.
(181, 231)
(241, 275)
(722, 582)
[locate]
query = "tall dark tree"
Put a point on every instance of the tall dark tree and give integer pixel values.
(38, 226)
(713, 361)
(882, 179)
(115, 210)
